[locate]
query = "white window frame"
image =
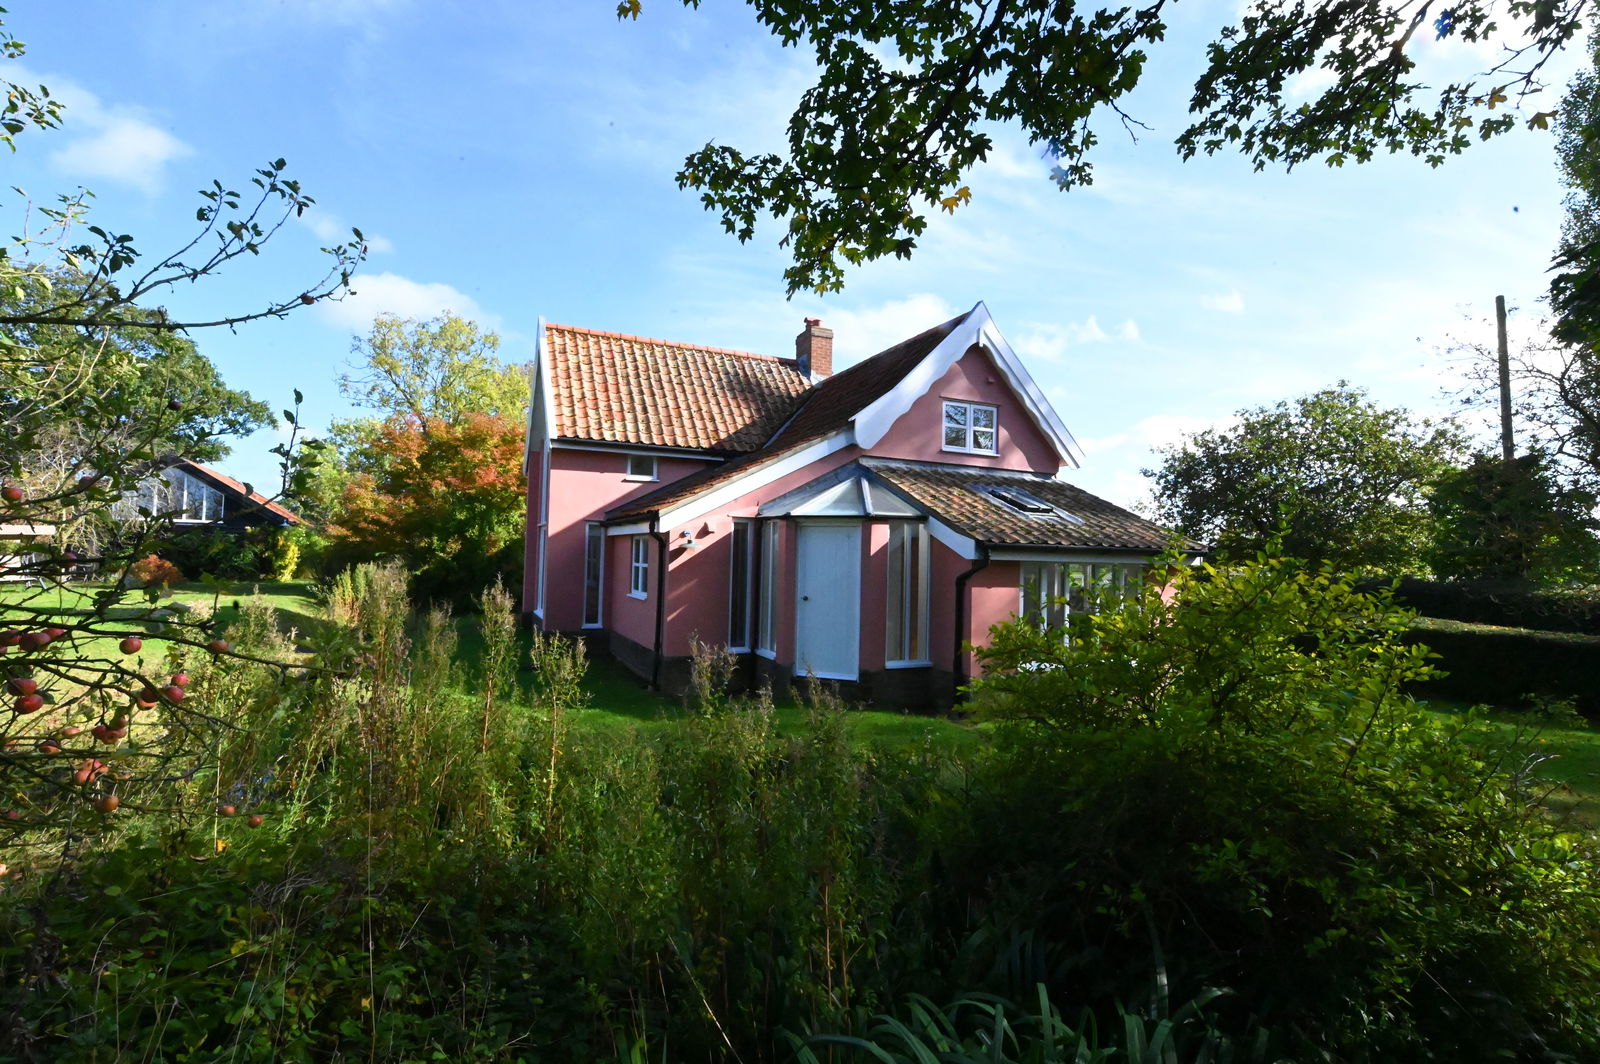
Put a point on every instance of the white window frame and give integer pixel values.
(739, 591)
(906, 613)
(594, 565)
(968, 429)
(639, 568)
(1051, 593)
(649, 472)
(767, 600)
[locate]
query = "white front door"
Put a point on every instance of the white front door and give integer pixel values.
(827, 609)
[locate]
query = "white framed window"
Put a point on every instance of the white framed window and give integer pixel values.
(767, 606)
(741, 546)
(1052, 592)
(641, 467)
(185, 498)
(971, 428)
(906, 619)
(639, 568)
(594, 568)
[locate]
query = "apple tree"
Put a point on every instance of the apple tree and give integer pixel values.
(97, 711)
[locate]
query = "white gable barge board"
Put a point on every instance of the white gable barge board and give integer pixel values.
(873, 422)
(698, 506)
(539, 408)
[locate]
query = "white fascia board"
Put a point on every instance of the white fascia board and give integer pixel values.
(872, 423)
(1071, 554)
(700, 505)
(1022, 383)
(964, 545)
(635, 448)
(539, 412)
(633, 528)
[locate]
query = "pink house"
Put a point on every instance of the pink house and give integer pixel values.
(860, 526)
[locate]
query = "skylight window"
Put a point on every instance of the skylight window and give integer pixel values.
(1026, 503)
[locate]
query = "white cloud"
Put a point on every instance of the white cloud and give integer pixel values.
(1230, 302)
(112, 142)
(330, 227)
(1157, 430)
(389, 293)
(1048, 342)
(858, 334)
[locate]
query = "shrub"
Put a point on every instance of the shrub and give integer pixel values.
(154, 570)
(1508, 667)
(1239, 781)
(1575, 609)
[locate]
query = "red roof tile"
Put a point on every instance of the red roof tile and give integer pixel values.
(613, 388)
(826, 408)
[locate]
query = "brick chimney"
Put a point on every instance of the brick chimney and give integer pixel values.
(813, 350)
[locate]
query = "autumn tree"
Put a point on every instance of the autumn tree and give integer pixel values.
(435, 479)
(1329, 477)
(906, 92)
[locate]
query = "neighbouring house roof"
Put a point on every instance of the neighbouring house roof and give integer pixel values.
(960, 496)
(240, 489)
(612, 388)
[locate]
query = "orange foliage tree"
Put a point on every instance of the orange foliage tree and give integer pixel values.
(446, 497)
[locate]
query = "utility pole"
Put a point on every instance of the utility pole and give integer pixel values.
(1505, 381)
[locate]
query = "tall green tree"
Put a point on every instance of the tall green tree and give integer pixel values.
(1329, 477)
(1512, 521)
(435, 479)
(898, 117)
(443, 369)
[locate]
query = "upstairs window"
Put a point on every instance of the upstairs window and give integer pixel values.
(641, 467)
(970, 427)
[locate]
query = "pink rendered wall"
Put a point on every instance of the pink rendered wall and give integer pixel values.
(918, 435)
(994, 598)
(628, 616)
(530, 539)
(697, 580)
(583, 486)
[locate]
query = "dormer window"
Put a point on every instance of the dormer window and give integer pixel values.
(970, 427)
(641, 467)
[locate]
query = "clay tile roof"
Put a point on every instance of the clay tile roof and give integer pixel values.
(958, 496)
(614, 388)
(238, 486)
(833, 402)
(826, 408)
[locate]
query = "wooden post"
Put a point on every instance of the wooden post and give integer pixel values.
(1505, 380)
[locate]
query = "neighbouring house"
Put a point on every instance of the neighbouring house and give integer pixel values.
(200, 497)
(17, 558)
(861, 527)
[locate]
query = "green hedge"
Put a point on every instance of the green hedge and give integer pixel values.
(1498, 603)
(1505, 666)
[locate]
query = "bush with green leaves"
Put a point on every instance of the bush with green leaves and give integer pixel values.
(1236, 779)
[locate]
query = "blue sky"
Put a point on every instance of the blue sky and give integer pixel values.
(512, 160)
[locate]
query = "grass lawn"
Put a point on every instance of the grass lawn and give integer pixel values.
(1569, 753)
(295, 602)
(618, 700)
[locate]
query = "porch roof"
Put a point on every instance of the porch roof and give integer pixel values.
(983, 504)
